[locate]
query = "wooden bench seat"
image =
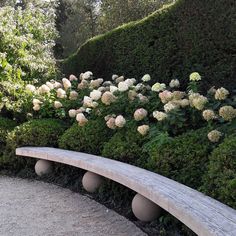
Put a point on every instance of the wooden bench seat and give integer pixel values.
(204, 215)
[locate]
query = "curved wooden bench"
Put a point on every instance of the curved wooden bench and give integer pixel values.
(204, 215)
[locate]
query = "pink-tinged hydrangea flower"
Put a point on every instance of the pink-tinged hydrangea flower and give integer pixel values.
(95, 83)
(195, 76)
(96, 95)
(140, 114)
(83, 85)
(159, 115)
(157, 87)
(120, 121)
(208, 115)
(57, 85)
(214, 136)
(165, 96)
(123, 86)
(108, 98)
(81, 119)
(50, 85)
(111, 123)
(73, 78)
(66, 83)
(146, 78)
(57, 104)
(30, 88)
(73, 95)
(44, 89)
(174, 83)
(228, 113)
(143, 129)
(61, 93)
(142, 98)
(221, 94)
(72, 113)
(87, 102)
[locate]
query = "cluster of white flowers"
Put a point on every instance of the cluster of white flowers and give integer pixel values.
(214, 136)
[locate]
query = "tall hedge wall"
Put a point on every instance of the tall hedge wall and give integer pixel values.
(191, 35)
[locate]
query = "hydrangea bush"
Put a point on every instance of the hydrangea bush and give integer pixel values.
(160, 107)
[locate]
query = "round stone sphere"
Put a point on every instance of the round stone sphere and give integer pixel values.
(91, 181)
(144, 209)
(43, 167)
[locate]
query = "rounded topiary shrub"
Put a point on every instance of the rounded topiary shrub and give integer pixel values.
(183, 158)
(89, 138)
(220, 180)
(44, 132)
(125, 145)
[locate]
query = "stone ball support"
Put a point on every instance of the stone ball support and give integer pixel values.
(43, 167)
(91, 181)
(144, 209)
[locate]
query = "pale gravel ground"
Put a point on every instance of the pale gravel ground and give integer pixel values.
(33, 208)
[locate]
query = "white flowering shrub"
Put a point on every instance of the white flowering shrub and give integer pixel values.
(26, 51)
(123, 100)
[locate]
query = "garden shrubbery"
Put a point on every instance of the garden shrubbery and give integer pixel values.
(188, 36)
(90, 138)
(220, 179)
(44, 132)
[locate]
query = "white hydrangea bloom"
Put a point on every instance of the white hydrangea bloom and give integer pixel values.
(81, 119)
(73, 78)
(123, 86)
(159, 115)
(96, 95)
(36, 107)
(143, 129)
(146, 78)
(73, 95)
(72, 113)
(120, 121)
(113, 89)
(61, 93)
(66, 83)
(157, 87)
(87, 75)
(57, 104)
(195, 76)
(174, 83)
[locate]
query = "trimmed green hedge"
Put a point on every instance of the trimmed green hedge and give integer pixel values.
(43, 132)
(89, 138)
(191, 35)
(220, 180)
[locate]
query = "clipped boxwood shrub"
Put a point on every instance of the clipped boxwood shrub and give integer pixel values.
(88, 138)
(183, 158)
(125, 145)
(220, 180)
(43, 132)
(6, 125)
(196, 35)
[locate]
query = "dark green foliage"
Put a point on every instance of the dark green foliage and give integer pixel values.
(6, 125)
(183, 158)
(44, 132)
(191, 35)
(125, 145)
(89, 138)
(220, 180)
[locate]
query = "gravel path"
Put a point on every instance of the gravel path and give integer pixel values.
(33, 208)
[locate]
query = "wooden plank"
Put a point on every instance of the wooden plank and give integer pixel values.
(204, 215)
